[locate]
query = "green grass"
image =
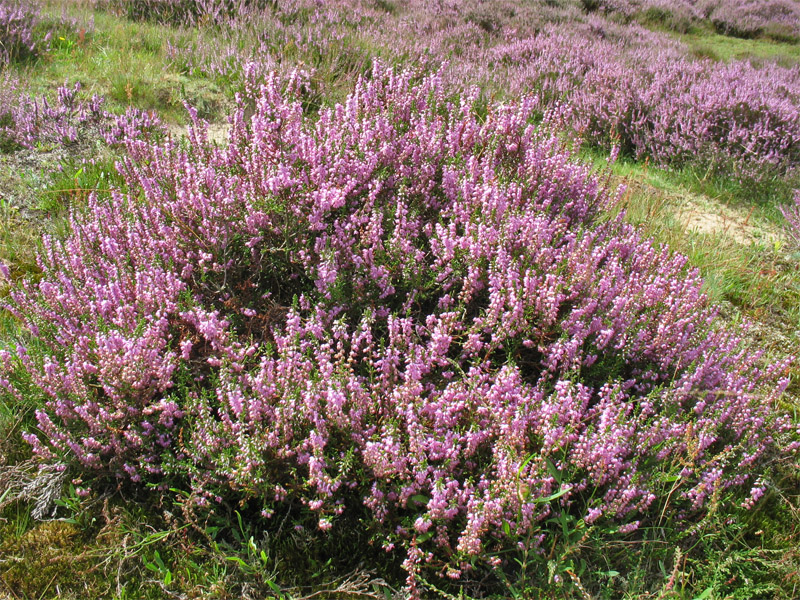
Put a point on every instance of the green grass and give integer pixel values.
(17, 240)
(705, 42)
(71, 185)
(124, 61)
(726, 48)
(152, 546)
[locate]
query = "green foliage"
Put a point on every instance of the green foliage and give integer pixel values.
(661, 18)
(129, 547)
(17, 243)
(124, 61)
(726, 48)
(72, 184)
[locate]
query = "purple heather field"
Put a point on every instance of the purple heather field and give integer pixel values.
(394, 291)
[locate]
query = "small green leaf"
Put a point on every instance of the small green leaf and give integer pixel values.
(419, 499)
(551, 497)
(607, 573)
(706, 594)
(424, 537)
(239, 562)
(524, 463)
(554, 473)
(239, 519)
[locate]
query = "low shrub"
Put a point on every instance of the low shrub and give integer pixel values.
(407, 308)
(35, 121)
(779, 19)
(741, 120)
(17, 22)
(31, 120)
(619, 84)
(183, 12)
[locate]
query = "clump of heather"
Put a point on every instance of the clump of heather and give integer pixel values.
(182, 12)
(17, 21)
(405, 307)
(134, 123)
(29, 121)
(739, 119)
(627, 86)
(753, 18)
(740, 18)
(34, 120)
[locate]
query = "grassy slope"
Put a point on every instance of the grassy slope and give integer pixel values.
(125, 546)
(721, 47)
(127, 63)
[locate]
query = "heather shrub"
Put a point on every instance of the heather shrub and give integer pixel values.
(68, 119)
(404, 308)
(779, 19)
(17, 21)
(184, 12)
(34, 120)
(740, 119)
(752, 18)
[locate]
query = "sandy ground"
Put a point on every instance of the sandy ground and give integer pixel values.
(712, 217)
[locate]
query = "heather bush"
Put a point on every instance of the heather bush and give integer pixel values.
(740, 18)
(33, 120)
(316, 34)
(17, 21)
(29, 121)
(752, 18)
(739, 119)
(406, 308)
(184, 12)
(742, 120)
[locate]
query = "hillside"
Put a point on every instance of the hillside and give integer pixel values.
(389, 299)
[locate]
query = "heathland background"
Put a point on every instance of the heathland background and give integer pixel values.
(374, 298)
